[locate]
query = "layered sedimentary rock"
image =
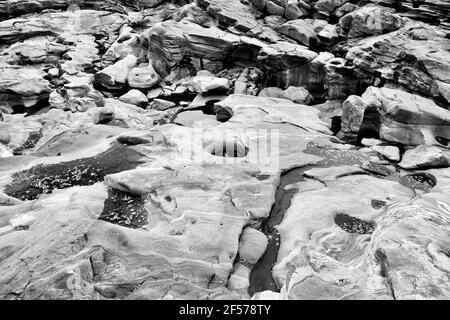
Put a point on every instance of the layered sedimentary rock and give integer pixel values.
(233, 13)
(414, 58)
(433, 12)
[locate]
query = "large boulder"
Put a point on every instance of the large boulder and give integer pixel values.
(206, 83)
(135, 97)
(294, 65)
(77, 94)
(143, 77)
(23, 86)
(171, 41)
(403, 117)
(115, 76)
(389, 152)
(252, 245)
(296, 9)
(231, 12)
(285, 55)
(274, 109)
(425, 157)
(369, 20)
(300, 30)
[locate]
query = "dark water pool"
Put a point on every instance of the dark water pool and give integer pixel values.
(43, 179)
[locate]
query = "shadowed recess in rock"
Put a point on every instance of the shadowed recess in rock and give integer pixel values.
(124, 209)
(43, 179)
(354, 225)
(442, 140)
(335, 125)
(177, 98)
(370, 126)
(40, 107)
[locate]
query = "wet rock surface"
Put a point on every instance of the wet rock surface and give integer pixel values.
(224, 149)
(43, 179)
(353, 225)
(124, 209)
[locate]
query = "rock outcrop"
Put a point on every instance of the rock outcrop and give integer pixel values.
(263, 149)
(425, 157)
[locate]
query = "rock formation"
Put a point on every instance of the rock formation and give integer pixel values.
(211, 149)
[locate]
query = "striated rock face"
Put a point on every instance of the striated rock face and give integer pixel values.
(230, 12)
(206, 83)
(212, 149)
(413, 58)
(170, 41)
(433, 12)
(23, 86)
(144, 77)
(301, 31)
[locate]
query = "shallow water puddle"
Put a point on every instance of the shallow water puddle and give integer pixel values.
(43, 179)
(124, 209)
(418, 180)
